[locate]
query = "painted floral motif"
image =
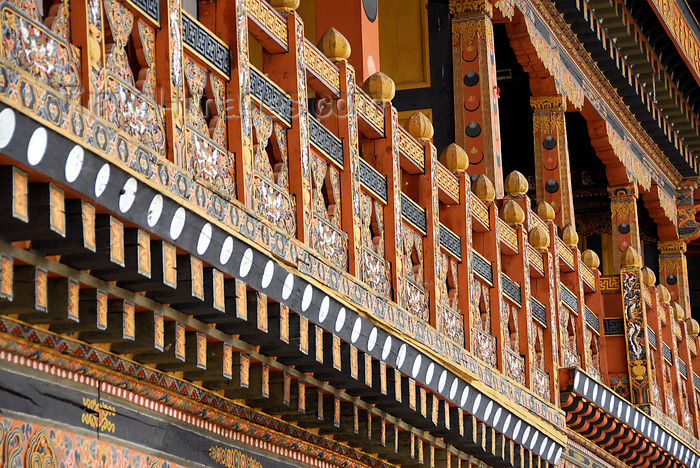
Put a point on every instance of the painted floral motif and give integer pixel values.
(206, 153)
(375, 270)
(414, 296)
(123, 104)
(32, 445)
(540, 383)
(483, 343)
(326, 234)
(515, 366)
(450, 322)
(42, 50)
(271, 183)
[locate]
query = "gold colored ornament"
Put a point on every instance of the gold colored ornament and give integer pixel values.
(285, 5)
(380, 87)
(590, 259)
(630, 258)
(692, 326)
(569, 236)
(516, 184)
(454, 158)
(334, 45)
(512, 213)
(664, 295)
(483, 189)
(679, 312)
(648, 276)
(419, 126)
(538, 237)
(545, 211)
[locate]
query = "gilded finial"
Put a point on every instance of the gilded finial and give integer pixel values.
(538, 237)
(512, 213)
(545, 211)
(664, 295)
(648, 276)
(516, 184)
(630, 258)
(334, 45)
(380, 87)
(679, 312)
(692, 326)
(483, 189)
(569, 236)
(590, 259)
(284, 5)
(419, 126)
(454, 158)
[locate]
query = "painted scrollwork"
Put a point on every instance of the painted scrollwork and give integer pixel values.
(483, 343)
(207, 157)
(327, 236)
(122, 102)
(450, 322)
(414, 296)
(41, 48)
(271, 182)
(375, 270)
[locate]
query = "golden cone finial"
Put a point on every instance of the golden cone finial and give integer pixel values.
(454, 158)
(380, 87)
(334, 45)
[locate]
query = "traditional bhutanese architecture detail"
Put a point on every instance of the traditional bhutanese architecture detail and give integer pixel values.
(280, 234)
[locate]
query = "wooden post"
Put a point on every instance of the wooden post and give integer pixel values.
(278, 68)
(475, 88)
(552, 157)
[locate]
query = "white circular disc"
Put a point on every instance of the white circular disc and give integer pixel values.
(74, 162)
(356, 330)
(288, 286)
(386, 350)
(340, 320)
(306, 297)
(401, 356)
(178, 223)
(154, 210)
(429, 373)
(465, 396)
(246, 263)
(442, 381)
(36, 149)
(7, 127)
(416, 366)
(101, 180)
(204, 239)
(226, 248)
(268, 274)
(126, 199)
(372, 340)
(454, 388)
(323, 309)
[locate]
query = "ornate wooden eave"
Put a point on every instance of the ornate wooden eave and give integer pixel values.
(619, 428)
(633, 68)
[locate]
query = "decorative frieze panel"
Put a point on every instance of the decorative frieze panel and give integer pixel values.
(682, 368)
(150, 8)
(327, 236)
(568, 298)
(613, 327)
(652, 337)
(483, 268)
(325, 141)
(44, 52)
(511, 289)
(206, 44)
(321, 67)
(271, 96)
(373, 180)
(592, 319)
(450, 241)
(413, 213)
(411, 149)
(667, 353)
(539, 312)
